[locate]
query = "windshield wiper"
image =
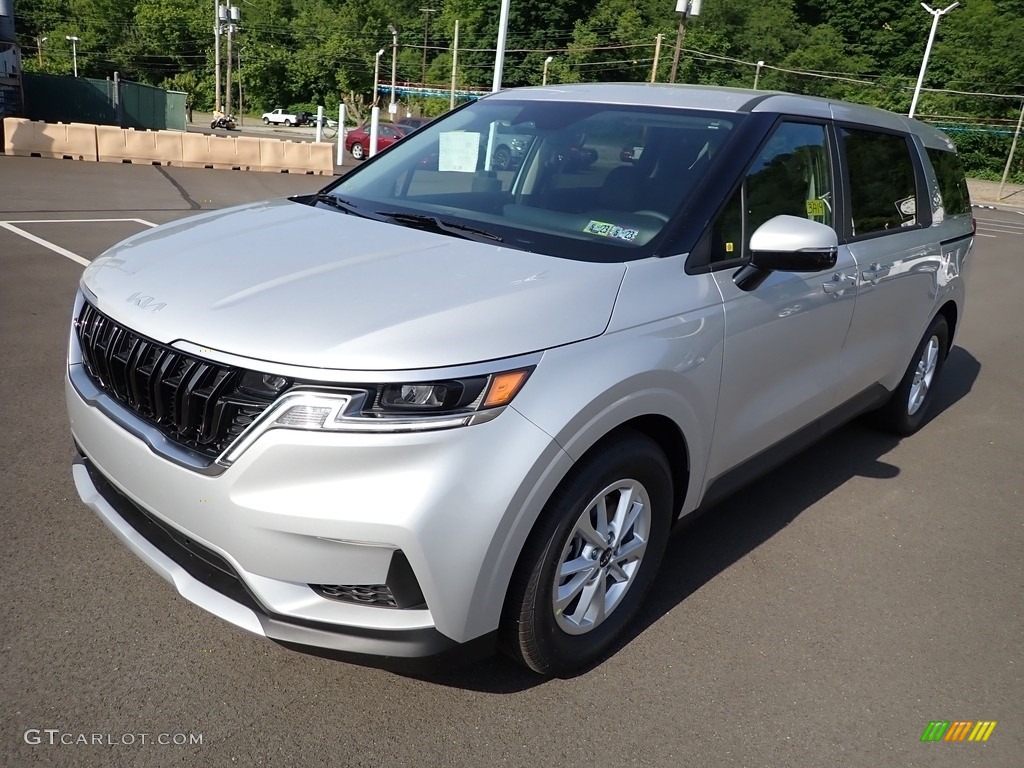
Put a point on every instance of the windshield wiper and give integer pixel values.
(344, 205)
(434, 224)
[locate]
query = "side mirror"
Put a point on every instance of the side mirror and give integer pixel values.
(788, 244)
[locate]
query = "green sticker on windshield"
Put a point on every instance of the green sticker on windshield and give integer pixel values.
(604, 229)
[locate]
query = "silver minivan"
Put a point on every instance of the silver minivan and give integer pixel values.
(470, 413)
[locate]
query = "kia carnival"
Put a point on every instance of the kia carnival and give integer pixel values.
(468, 416)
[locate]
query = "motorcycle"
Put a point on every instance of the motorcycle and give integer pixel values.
(227, 122)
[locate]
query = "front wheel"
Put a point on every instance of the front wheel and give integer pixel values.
(905, 412)
(591, 557)
(502, 158)
(266, 121)
(357, 151)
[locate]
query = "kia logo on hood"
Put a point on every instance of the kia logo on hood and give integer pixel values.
(146, 302)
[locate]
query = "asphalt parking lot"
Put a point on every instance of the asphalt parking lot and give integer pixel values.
(822, 617)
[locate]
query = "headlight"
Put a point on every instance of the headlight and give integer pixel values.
(397, 407)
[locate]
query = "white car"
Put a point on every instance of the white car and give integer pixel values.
(468, 412)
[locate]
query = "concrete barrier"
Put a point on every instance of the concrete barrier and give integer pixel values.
(31, 138)
(110, 144)
(240, 153)
(126, 145)
(296, 157)
(201, 151)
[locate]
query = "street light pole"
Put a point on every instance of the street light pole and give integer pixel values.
(376, 76)
(757, 73)
(426, 25)
(39, 49)
(499, 55)
(241, 107)
(936, 15)
(393, 106)
(544, 78)
(74, 51)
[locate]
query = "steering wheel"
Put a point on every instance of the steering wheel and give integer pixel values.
(656, 214)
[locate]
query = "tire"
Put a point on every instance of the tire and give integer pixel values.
(908, 407)
(502, 158)
(602, 575)
(266, 121)
(287, 123)
(213, 124)
(357, 151)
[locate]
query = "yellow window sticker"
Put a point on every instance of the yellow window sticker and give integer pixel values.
(729, 248)
(815, 207)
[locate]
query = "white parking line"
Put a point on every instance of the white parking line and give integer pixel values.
(9, 225)
(982, 234)
(74, 221)
(45, 243)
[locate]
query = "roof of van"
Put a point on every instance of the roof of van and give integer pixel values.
(728, 100)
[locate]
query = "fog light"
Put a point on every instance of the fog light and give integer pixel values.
(304, 417)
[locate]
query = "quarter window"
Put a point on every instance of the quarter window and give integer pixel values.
(883, 190)
(952, 182)
(792, 175)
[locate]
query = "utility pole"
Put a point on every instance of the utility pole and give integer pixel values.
(39, 49)
(757, 73)
(685, 9)
(1013, 148)
(426, 25)
(218, 16)
(657, 54)
(233, 16)
(544, 76)
(455, 63)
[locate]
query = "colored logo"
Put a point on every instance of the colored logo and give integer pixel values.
(958, 730)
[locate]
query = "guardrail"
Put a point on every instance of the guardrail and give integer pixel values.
(80, 141)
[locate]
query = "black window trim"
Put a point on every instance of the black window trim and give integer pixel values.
(698, 262)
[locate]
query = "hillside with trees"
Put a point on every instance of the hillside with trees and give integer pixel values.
(301, 53)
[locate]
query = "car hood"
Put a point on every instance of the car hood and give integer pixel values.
(310, 286)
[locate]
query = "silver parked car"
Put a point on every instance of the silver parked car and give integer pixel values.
(471, 414)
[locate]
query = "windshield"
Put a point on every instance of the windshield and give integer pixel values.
(583, 181)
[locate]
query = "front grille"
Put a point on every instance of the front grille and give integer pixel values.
(196, 403)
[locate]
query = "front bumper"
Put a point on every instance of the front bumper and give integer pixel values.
(208, 581)
(302, 509)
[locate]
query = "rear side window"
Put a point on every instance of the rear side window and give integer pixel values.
(883, 191)
(952, 181)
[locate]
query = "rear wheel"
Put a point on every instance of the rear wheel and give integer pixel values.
(591, 558)
(906, 410)
(288, 123)
(357, 151)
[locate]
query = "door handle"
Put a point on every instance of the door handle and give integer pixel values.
(838, 284)
(875, 272)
